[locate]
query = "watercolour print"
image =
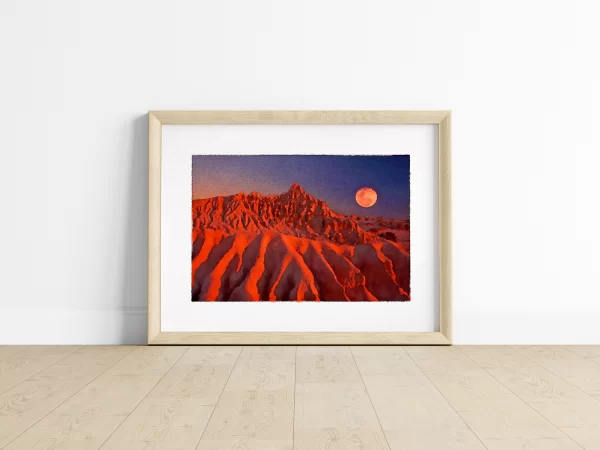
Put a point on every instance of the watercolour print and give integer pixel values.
(300, 228)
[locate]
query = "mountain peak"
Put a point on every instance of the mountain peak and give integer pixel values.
(296, 188)
(295, 212)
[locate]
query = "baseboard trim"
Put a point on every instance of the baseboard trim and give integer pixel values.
(61, 326)
(129, 325)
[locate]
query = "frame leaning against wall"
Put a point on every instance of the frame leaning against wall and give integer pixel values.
(156, 119)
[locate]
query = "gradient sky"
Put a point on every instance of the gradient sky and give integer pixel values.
(333, 179)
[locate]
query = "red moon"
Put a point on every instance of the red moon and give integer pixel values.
(366, 197)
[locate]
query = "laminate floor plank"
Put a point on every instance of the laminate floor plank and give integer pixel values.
(589, 352)
(412, 412)
(87, 419)
(28, 402)
(305, 398)
(500, 419)
(8, 350)
(569, 366)
(256, 409)
(21, 365)
(175, 413)
(574, 412)
(332, 407)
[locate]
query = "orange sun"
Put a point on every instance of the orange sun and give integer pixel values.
(366, 197)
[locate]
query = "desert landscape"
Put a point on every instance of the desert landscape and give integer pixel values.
(293, 247)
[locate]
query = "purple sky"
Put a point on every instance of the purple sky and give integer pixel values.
(333, 179)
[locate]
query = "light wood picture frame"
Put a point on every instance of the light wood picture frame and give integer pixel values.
(156, 120)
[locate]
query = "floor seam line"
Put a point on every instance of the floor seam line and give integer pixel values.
(40, 371)
(575, 353)
(143, 398)
(220, 395)
(555, 374)
(70, 397)
(515, 394)
(295, 381)
(445, 399)
(369, 397)
(25, 347)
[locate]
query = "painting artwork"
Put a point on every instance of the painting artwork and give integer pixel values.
(300, 228)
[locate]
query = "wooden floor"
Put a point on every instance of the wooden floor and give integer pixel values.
(305, 398)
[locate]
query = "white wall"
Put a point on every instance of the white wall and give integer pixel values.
(77, 78)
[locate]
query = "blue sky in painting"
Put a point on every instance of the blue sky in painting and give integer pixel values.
(333, 179)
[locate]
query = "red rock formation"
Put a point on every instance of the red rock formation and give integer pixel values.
(293, 247)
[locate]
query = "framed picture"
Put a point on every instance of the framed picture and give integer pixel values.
(299, 227)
